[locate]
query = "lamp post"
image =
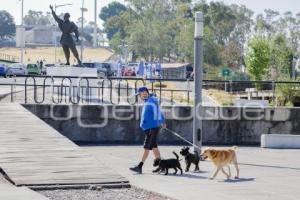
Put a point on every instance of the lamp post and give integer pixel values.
(22, 13)
(83, 9)
(22, 24)
(198, 73)
(55, 38)
(95, 26)
(295, 69)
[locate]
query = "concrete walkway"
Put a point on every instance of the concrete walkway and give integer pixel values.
(9, 192)
(33, 154)
(265, 174)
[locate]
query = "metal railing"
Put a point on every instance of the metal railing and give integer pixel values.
(9, 58)
(276, 93)
(91, 90)
(88, 90)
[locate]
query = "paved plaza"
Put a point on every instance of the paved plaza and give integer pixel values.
(9, 192)
(264, 174)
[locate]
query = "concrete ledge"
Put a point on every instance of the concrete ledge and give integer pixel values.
(280, 141)
(221, 125)
(81, 187)
(251, 103)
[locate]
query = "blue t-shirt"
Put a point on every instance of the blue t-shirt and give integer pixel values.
(152, 116)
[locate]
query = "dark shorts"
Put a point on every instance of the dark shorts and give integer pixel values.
(151, 138)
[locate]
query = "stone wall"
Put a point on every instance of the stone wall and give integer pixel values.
(221, 125)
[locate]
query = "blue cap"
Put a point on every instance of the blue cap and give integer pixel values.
(141, 89)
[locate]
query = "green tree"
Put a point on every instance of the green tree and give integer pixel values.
(150, 32)
(221, 20)
(271, 24)
(115, 41)
(117, 24)
(7, 25)
(111, 10)
(258, 57)
(266, 23)
(233, 50)
(230, 28)
(34, 18)
(288, 24)
(183, 29)
(211, 48)
(286, 93)
(281, 56)
(185, 42)
(114, 16)
(232, 55)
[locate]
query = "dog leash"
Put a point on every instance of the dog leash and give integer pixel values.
(179, 136)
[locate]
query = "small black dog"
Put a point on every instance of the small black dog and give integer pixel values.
(190, 158)
(165, 165)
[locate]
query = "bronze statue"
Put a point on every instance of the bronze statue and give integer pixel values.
(67, 28)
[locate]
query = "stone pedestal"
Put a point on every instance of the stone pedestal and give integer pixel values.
(71, 71)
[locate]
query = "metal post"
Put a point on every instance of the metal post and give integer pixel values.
(22, 13)
(198, 73)
(14, 89)
(295, 67)
(273, 90)
(22, 24)
(82, 11)
(11, 93)
(95, 26)
(126, 53)
(55, 41)
(225, 84)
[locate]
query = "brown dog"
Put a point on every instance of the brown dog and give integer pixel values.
(222, 158)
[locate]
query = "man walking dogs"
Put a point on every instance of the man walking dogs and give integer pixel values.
(67, 28)
(151, 121)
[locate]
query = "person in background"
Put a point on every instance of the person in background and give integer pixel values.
(41, 64)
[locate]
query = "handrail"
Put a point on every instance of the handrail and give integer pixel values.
(114, 90)
(162, 79)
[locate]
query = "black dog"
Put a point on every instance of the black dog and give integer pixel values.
(190, 158)
(165, 165)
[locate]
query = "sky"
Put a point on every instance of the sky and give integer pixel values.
(14, 6)
(258, 6)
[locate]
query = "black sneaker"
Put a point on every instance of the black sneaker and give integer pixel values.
(136, 169)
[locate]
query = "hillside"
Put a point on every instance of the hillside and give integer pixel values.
(31, 55)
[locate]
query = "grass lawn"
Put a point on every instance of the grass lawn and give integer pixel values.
(40, 53)
(222, 97)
